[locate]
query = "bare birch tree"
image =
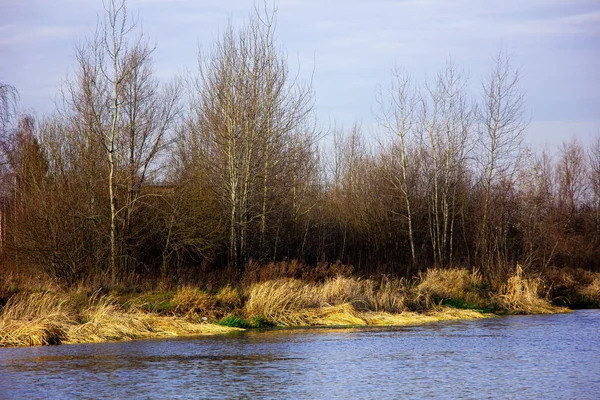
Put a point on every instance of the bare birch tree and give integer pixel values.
(8, 106)
(502, 127)
(571, 173)
(247, 111)
(397, 114)
(124, 107)
(8, 109)
(454, 134)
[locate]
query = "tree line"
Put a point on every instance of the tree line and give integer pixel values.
(133, 176)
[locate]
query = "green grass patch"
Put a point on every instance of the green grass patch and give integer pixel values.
(235, 322)
(258, 321)
(461, 304)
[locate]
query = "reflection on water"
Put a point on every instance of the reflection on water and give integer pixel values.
(530, 357)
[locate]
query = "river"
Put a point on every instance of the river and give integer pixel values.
(519, 357)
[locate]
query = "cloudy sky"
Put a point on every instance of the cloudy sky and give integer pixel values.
(351, 45)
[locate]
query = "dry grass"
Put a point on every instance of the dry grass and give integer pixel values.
(366, 295)
(353, 301)
(592, 290)
(255, 272)
(454, 284)
(285, 302)
(573, 287)
(417, 318)
(340, 301)
(290, 302)
(47, 319)
(343, 314)
(191, 302)
(229, 298)
(521, 295)
(194, 303)
(30, 320)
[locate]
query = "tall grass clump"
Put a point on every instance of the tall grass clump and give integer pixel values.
(50, 318)
(105, 320)
(593, 290)
(457, 287)
(285, 302)
(191, 302)
(388, 295)
(521, 295)
(228, 298)
(33, 319)
(339, 300)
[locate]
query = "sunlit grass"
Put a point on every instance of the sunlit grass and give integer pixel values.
(344, 301)
(46, 319)
(81, 315)
(455, 286)
(522, 295)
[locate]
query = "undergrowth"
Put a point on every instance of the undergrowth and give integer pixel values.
(35, 317)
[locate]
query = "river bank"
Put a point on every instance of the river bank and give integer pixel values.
(80, 316)
(50, 319)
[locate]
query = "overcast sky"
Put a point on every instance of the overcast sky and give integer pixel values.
(350, 44)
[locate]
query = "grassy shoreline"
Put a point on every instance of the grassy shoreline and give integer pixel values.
(50, 319)
(30, 318)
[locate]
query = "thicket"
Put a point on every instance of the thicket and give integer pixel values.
(223, 176)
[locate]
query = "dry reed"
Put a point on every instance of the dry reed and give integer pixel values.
(417, 318)
(454, 284)
(521, 295)
(191, 301)
(50, 318)
(337, 301)
(47, 319)
(286, 302)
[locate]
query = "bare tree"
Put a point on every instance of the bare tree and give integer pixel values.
(571, 173)
(445, 119)
(122, 105)
(247, 113)
(538, 212)
(397, 113)
(594, 158)
(501, 134)
(8, 106)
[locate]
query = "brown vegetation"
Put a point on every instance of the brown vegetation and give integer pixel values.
(521, 295)
(121, 190)
(122, 184)
(49, 318)
(37, 318)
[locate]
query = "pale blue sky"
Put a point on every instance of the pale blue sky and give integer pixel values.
(352, 45)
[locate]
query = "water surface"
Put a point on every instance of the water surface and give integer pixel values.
(525, 357)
